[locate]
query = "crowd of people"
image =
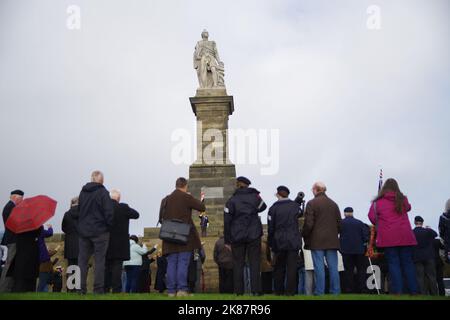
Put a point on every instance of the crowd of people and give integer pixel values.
(306, 250)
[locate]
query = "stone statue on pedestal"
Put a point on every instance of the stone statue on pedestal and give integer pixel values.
(210, 70)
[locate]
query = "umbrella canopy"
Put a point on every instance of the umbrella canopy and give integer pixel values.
(31, 214)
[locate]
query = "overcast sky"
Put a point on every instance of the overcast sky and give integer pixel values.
(347, 99)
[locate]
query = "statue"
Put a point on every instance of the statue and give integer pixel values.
(210, 70)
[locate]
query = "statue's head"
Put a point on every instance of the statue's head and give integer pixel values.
(205, 34)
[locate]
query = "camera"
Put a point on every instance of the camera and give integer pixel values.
(300, 199)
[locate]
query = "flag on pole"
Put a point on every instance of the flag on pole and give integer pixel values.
(380, 182)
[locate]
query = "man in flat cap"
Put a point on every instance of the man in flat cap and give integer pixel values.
(353, 239)
(9, 240)
(423, 256)
(285, 241)
(243, 232)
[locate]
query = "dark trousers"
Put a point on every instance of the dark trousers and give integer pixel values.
(132, 278)
(96, 246)
(113, 275)
(24, 285)
(426, 277)
(145, 281)
(440, 277)
(72, 262)
(285, 272)
(251, 251)
(267, 282)
(225, 280)
(352, 261)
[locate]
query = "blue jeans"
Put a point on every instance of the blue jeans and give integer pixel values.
(132, 278)
(319, 271)
(401, 267)
(177, 271)
(44, 278)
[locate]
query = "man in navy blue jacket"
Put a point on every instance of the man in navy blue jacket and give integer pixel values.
(354, 237)
(424, 258)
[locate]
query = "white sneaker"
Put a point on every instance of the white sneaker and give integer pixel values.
(184, 294)
(172, 295)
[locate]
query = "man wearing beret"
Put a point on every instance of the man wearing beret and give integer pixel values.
(424, 257)
(243, 232)
(285, 241)
(9, 240)
(353, 239)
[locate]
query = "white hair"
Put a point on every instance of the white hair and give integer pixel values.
(320, 186)
(115, 194)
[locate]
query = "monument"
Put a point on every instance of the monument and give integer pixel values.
(212, 173)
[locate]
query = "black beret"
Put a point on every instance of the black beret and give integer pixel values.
(418, 219)
(244, 180)
(348, 209)
(283, 188)
(17, 192)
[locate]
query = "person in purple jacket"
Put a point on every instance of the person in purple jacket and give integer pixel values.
(389, 214)
(46, 267)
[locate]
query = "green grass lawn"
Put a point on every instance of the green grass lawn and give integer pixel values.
(206, 296)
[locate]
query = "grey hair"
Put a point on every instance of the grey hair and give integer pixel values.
(114, 194)
(447, 206)
(320, 186)
(74, 201)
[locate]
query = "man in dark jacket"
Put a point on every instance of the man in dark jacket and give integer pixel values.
(353, 238)
(321, 233)
(70, 228)
(285, 240)
(119, 243)
(423, 257)
(224, 260)
(444, 230)
(243, 232)
(9, 240)
(95, 217)
(179, 205)
(26, 261)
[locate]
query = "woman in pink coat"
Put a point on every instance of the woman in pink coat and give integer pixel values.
(389, 213)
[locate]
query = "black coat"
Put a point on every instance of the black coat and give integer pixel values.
(26, 262)
(147, 261)
(354, 236)
(241, 220)
(425, 249)
(95, 210)
(444, 229)
(70, 228)
(119, 233)
(9, 237)
(283, 229)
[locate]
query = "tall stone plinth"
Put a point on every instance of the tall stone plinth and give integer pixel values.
(212, 172)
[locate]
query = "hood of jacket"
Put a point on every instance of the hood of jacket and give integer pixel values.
(447, 214)
(92, 186)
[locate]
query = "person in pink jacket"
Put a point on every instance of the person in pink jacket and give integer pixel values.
(389, 214)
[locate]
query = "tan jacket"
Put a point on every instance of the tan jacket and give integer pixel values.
(179, 206)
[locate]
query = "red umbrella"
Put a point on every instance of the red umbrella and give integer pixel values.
(31, 213)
